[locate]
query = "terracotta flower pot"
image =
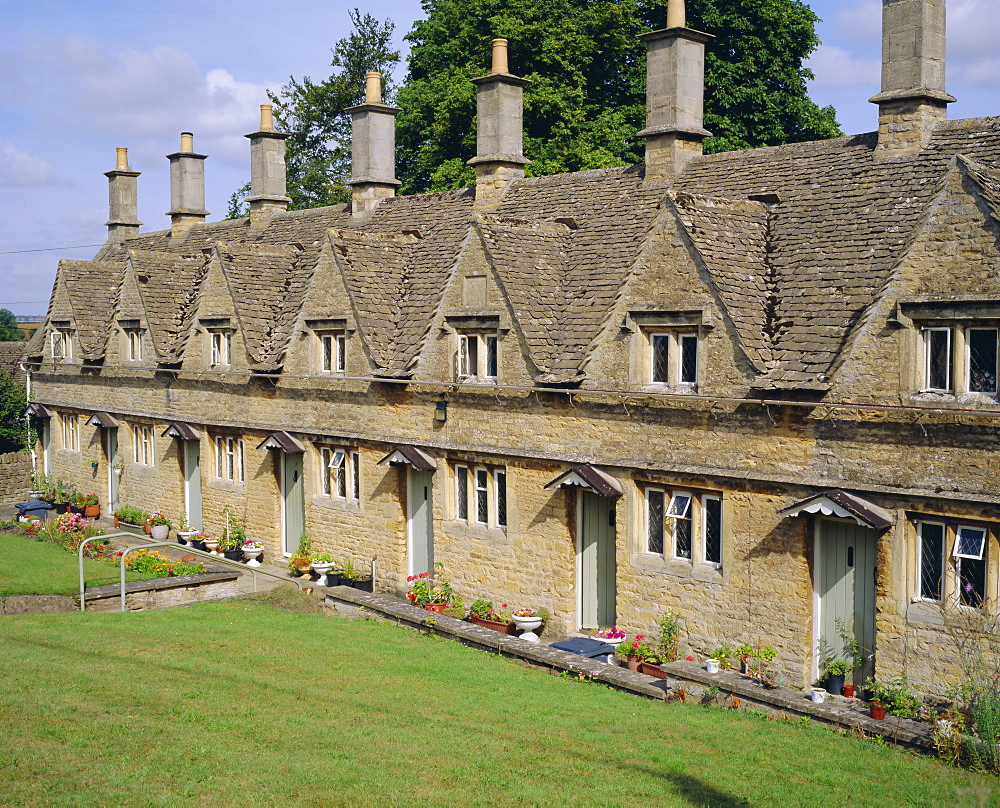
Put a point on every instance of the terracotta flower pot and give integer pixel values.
(849, 691)
(496, 625)
(652, 669)
(92, 511)
(877, 711)
(633, 664)
(437, 608)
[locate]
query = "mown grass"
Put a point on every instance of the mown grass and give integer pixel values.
(30, 567)
(241, 703)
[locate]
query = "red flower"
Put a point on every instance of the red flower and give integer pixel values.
(689, 658)
(640, 637)
(503, 605)
(635, 645)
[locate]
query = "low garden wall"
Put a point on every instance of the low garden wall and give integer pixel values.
(15, 477)
(162, 593)
(686, 681)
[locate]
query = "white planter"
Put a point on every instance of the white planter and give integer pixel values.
(818, 695)
(159, 532)
(712, 665)
(528, 626)
(252, 556)
(185, 535)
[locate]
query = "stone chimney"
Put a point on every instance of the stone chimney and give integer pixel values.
(267, 171)
(373, 149)
(187, 187)
(499, 130)
(123, 200)
(675, 95)
(913, 100)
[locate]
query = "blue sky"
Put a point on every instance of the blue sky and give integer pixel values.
(80, 78)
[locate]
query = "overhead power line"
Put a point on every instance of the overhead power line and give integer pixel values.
(50, 249)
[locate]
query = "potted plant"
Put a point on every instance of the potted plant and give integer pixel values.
(651, 666)
(876, 710)
(89, 505)
(634, 652)
(668, 643)
(300, 563)
(364, 582)
(895, 696)
(527, 621)
(252, 550)
(482, 613)
(723, 656)
(433, 594)
(836, 671)
(613, 636)
(349, 576)
(322, 563)
(198, 541)
(130, 520)
(159, 525)
(185, 532)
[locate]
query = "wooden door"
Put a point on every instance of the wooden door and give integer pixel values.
(596, 561)
(846, 586)
(192, 482)
(293, 510)
(420, 521)
(114, 475)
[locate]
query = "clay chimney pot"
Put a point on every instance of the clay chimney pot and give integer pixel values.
(373, 87)
(500, 56)
(676, 18)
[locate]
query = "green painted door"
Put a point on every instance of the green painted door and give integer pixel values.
(846, 578)
(294, 502)
(420, 521)
(192, 481)
(110, 455)
(596, 549)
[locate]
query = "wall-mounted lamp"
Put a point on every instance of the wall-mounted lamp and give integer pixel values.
(441, 411)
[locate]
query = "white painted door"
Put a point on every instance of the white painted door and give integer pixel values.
(596, 561)
(420, 520)
(192, 482)
(293, 511)
(846, 587)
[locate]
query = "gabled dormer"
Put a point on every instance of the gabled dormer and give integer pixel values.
(76, 329)
(326, 340)
(932, 336)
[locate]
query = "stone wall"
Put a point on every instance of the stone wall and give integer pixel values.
(15, 477)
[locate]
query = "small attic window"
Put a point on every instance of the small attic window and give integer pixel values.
(767, 199)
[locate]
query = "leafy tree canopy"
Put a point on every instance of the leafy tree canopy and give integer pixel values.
(587, 68)
(9, 332)
(318, 151)
(13, 403)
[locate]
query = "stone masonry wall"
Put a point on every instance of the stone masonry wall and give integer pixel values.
(15, 477)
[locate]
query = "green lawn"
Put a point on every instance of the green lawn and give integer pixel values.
(29, 567)
(239, 703)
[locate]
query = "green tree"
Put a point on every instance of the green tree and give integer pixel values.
(318, 155)
(13, 404)
(9, 332)
(586, 100)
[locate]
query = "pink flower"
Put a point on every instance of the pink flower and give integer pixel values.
(503, 605)
(640, 637)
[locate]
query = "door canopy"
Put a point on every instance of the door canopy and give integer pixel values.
(284, 442)
(39, 410)
(409, 456)
(846, 506)
(182, 431)
(589, 479)
(103, 420)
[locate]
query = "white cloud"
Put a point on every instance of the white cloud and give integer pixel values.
(142, 95)
(837, 68)
(18, 168)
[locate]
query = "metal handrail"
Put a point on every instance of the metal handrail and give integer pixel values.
(149, 544)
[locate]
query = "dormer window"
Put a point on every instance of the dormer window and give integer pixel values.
(673, 358)
(220, 347)
(133, 337)
(62, 344)
(333, 350)
(477, 357)
(958, 359)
